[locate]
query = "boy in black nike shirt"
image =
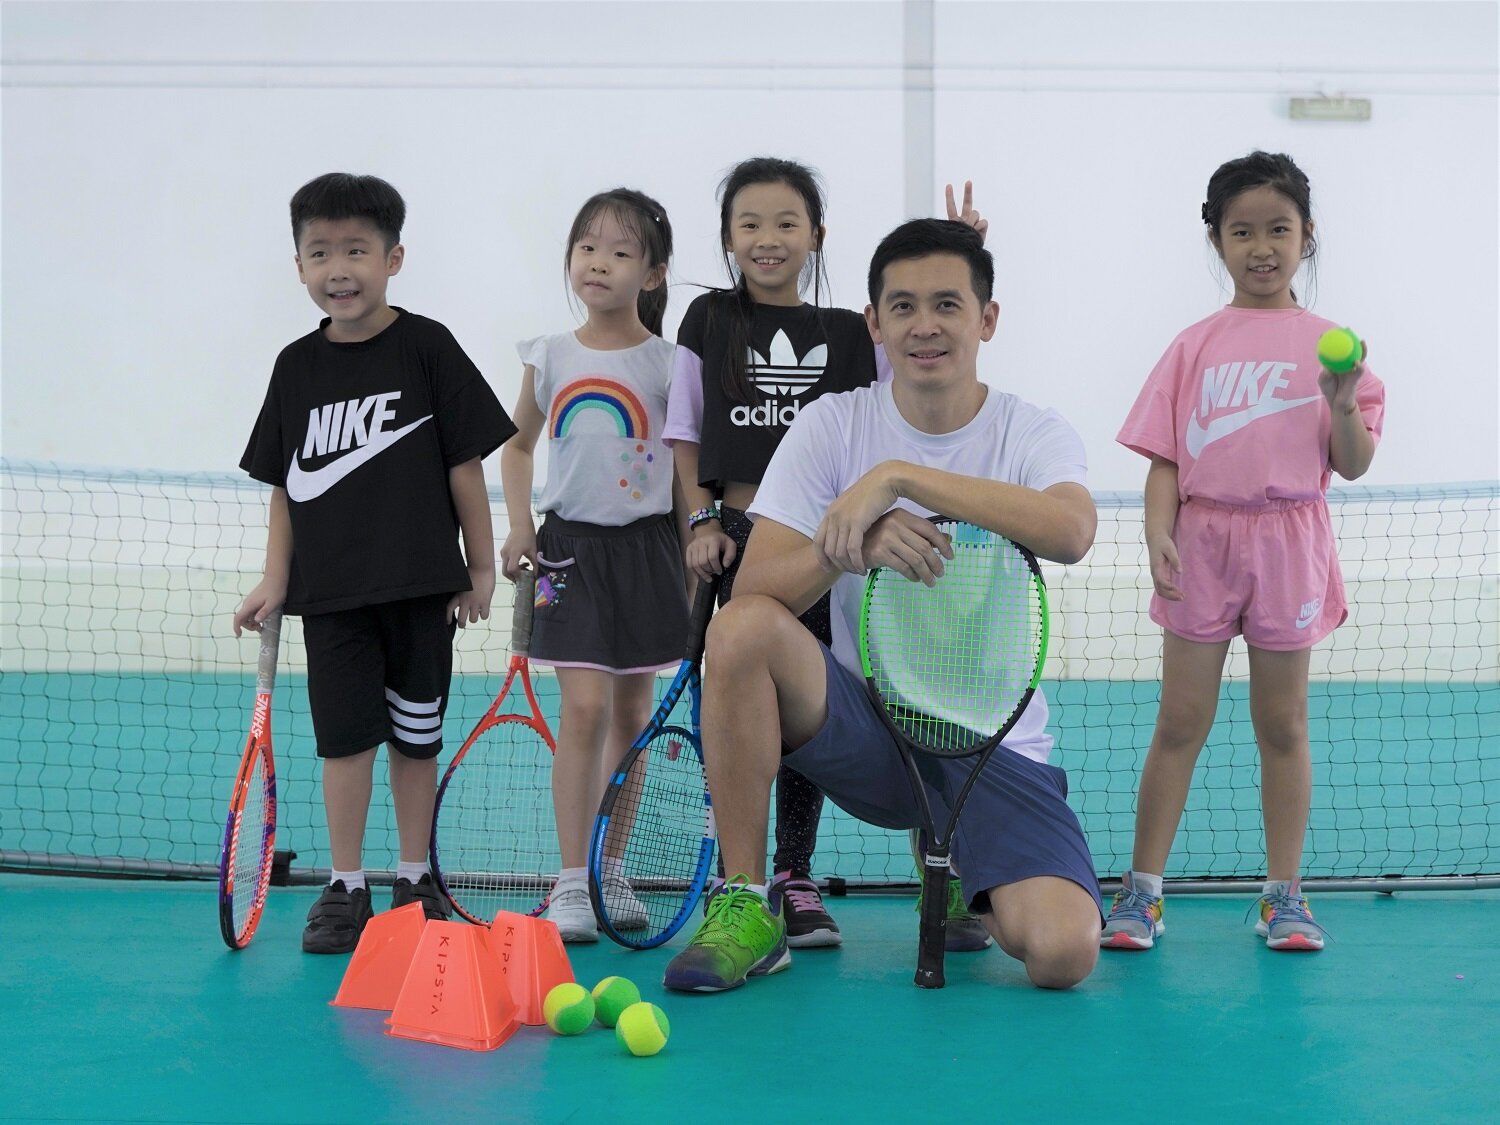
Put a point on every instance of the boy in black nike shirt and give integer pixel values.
(371, 437)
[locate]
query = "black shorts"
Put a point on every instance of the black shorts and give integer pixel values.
(609, 598)
(380, 673)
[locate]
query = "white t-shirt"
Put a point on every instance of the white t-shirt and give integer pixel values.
(606, 463)
(839, 438)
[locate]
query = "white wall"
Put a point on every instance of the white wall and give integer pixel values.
(149, 150)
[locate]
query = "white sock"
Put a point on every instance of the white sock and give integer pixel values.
(353, 880)
(410, 871)
(1146, 884)
(1276, 886)
(571, 877)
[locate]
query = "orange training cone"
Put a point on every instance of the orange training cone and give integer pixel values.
(378, 967)
(455, 992)
(533, 960)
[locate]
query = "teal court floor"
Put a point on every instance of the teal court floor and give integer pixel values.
(121, 1004)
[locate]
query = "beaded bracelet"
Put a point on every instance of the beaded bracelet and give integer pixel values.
(702, 515)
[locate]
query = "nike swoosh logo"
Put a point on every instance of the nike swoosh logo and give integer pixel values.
(1199, 436)
(1309, 614)
(303, 486)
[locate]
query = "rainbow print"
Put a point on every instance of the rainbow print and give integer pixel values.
(616, 400)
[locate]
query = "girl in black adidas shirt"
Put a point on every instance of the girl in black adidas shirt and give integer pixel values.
(748, 359)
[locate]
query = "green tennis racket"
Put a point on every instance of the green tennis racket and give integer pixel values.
(951, 668)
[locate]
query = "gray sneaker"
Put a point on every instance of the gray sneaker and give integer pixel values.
(573, 914)
(1135, 919)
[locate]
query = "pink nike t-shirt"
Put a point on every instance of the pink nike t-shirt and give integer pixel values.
(1235, 404)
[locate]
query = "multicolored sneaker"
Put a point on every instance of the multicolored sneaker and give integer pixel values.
(742, 937)
(1135, 919)
(434, 905)
(964, 931)
(1286, 921)
(808, 924)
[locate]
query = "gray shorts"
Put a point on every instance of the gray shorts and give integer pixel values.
(1016, 823)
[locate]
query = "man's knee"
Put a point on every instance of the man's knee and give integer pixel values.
(745, 632)
(1063, 960)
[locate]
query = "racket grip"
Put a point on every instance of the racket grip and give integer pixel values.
(933, 931)
(520, 618)
(270, 643)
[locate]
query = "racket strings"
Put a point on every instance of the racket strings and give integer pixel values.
(496, 831)
(251, 861)
(658, 831)
(954, 662)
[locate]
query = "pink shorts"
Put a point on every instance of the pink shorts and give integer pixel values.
(1270, 573)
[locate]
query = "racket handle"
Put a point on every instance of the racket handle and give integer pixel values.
(703, 608)
(270, 642)
(520, 618)
(933, 933)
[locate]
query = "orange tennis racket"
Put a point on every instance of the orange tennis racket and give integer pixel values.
(245, 857)
(494, 834)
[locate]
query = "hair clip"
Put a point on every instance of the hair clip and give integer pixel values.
(1206, 219)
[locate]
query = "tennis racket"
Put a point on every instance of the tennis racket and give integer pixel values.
(653, 840)
(494, 833)
(245, 857)
(950, 669)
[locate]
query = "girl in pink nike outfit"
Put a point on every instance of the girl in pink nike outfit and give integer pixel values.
(1243, 428)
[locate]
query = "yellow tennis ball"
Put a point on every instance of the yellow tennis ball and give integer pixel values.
(643, 1029)
(613, 995)
(568, 1009)
(1339, 350)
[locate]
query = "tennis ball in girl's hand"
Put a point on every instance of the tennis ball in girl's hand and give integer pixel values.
(1339, 350)
(613, 995)
(643, 1029)
(568, 1009)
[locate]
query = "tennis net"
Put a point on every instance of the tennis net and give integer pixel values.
(124, 696)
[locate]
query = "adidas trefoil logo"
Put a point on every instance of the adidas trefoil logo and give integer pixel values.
(780, 376)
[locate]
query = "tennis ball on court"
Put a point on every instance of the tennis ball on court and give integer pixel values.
(643, 1029)
(1339, 350)
(613, 995)
(568, 1009)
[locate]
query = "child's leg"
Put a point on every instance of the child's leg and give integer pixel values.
(1278, 710)
(346, 800)
(632, 701)
(578, 776)
(799, 805)
(414, 791)
(1189, 698)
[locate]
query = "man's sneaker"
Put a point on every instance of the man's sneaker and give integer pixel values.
(1135, 919)
(742, 937)
(434, 904)
(808, 924)
(964, 930)
(573, 914)
(625, 911)
(337, 919)
(1286, 921)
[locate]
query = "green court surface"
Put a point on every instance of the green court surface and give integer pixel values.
(122, 1004)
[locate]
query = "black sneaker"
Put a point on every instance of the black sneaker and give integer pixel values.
(424, 890)
(337, 919)
(808, 924)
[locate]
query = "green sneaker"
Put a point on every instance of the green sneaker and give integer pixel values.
(740, 938)
(964, 931)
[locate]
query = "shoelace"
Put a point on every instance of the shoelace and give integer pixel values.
(803, 895)
(733, 912)
(1284, 903)
(1135, 906)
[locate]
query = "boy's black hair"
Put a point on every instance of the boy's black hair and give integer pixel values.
(342, 195)
(920, 238)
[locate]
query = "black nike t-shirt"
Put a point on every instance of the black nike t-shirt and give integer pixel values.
(797, 354)
(362, 437)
